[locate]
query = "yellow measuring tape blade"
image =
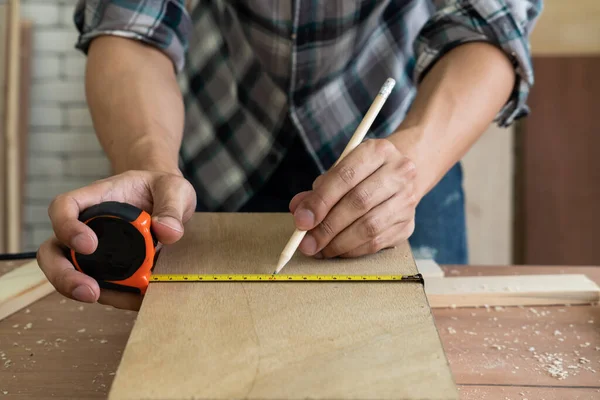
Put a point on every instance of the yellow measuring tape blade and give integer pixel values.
(280, 278)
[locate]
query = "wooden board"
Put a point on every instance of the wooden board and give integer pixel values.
(559, 216)
(3, 65)
(363, 340)
(21, 287)
(13, 192)
(567, 28)
(25, 88)
(522, 290)
(428, 268)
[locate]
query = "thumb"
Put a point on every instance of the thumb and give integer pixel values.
(174, 202)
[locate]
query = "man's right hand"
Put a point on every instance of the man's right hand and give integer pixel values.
(168, 197)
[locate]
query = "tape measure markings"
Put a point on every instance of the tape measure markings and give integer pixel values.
(280, 278)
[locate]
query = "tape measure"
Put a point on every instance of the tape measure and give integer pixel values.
(126, 253)
(126, 250)
(281, 278)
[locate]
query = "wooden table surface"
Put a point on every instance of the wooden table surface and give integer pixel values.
(62, 349)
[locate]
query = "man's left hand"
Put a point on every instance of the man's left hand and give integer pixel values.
(364, 204)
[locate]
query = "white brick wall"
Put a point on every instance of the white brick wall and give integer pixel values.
(64, 153)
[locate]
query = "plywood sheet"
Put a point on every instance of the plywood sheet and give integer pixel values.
(351, 340)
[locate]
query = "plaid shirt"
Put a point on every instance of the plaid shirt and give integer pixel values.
(246, 66)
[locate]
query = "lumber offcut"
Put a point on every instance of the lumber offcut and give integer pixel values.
(512, 290)
(280, 340)
(21, 287)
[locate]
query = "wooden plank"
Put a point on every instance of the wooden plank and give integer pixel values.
(320, 340)
(21, 287)
(3, 65)
(13, 184)
(522, 290)
(567, 28)
(489, 202)
(560, 217)
(429, 268)
(25, 87)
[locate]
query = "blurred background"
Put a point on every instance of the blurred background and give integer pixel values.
(533, 190)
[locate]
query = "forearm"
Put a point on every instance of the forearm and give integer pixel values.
(135, 103)
(455, 103)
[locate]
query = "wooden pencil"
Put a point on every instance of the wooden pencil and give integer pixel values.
(356, 139)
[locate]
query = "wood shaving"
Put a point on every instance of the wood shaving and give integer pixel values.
(28, 326)
(81, 330)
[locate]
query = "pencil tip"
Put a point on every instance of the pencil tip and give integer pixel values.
(283, 260)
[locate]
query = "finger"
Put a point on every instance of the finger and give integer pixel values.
(63, 276)
(297, 199)
(317, 182)
(64, 213)
(390, 238)
(174, 203)
(376, 189)
(371, 225)
(333, 185)
(123, 301)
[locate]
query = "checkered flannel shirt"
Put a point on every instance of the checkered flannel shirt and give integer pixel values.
(246, 66)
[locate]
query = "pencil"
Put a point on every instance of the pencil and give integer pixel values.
(355, 140)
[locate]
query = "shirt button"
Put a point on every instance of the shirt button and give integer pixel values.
(293, 36)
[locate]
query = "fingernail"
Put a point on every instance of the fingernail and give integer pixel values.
(170, 222)
(309, 244)
(84, 293)
(305, 218)
(79, 241)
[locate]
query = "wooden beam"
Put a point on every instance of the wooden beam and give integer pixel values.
(21, 287)
(521, 290)
(3, 79)
(25, 87)
(13, 184)
(291, 340)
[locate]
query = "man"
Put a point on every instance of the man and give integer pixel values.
(245, 106)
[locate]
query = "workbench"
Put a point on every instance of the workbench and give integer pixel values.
(58, 348)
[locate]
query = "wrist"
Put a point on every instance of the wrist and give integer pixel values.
(147, 156)
(411, 143)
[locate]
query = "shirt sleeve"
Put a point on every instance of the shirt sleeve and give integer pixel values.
(504, 23)
(164, 24)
